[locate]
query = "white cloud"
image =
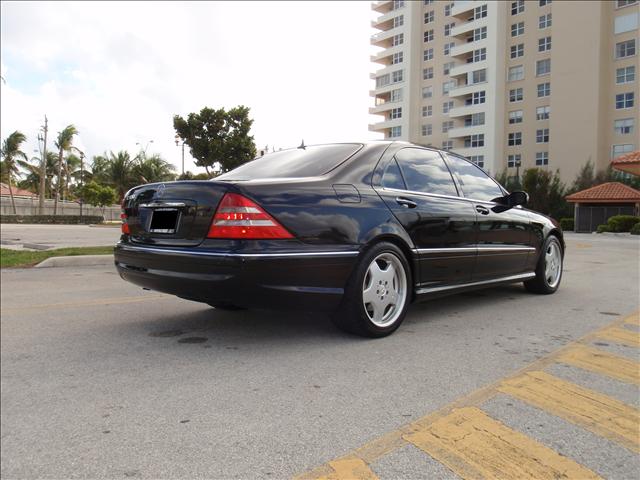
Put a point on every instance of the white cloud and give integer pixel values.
(119, 71)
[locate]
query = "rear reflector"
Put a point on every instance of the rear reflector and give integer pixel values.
(238, 217)
(124, 227)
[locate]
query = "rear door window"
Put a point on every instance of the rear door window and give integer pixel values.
(425, 171)
(392, 178)
(474, 182)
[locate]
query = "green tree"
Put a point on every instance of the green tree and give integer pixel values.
(11, 153)
(98, 195)
(63, 143)
(195, 176)
(115, 170)
(546, 192)
(511, 182)
(218, 136)
(32, 171)
(152, 169)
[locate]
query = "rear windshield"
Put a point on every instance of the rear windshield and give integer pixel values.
(298, 162)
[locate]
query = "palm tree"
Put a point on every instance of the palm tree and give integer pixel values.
(153, 169)
(115, 170)
(11, 153)
(63, 143)
(32, 171)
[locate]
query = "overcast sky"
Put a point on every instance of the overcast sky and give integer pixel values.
(120, 71)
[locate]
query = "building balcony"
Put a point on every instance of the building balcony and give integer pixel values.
(463, 110)
(384, 107)
(385, 21)
(382, 6)
(470, 151)
(465, 68)
(384, 55)
(381, 39)
(463, 90)
(465, 48)
(384, 125)
(463, 7)
(460, 132)
(464, 29)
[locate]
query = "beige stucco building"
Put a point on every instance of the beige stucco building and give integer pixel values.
(510, 84)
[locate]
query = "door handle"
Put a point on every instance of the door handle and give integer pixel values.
(405, 202)
(482, 210)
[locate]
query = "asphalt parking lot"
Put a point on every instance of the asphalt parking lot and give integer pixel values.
(46, 237)
(104, 380)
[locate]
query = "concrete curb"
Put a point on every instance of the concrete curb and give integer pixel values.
(77, 261)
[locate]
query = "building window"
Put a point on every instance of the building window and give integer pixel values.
(474, 141)
(396, 95)
(479, 33)
(448, 47)
(517, 7)
(618, 150)
(475, 120)
(427, 92)
(542, 113)
(624, 100)
(516, 73)
(446, 126)
(543, 67)
(623, 126)
(447, 29)
(478, 160)
(398, 4)
(516, 95)
(479, 12)
(542, 158)
(544, 44)
(428, 54)
(625, 3)
(544, 21)
(447, 9)
(479, 55)
(544, 89)
(517, 29)
(479, 76)
(478, 97)
(428, 36)
(447, 145)
(427, 2)
(397, 76)
(383, 80)
(542, 135)
(427, 129)
(515, 138)
(517, 50)
(398, 21)
(395, 132)
(626, 49)
(397, 40)
(447, 67)
(515, 116)
(395, 113)
(446, 106)
(544, 2)
(397, 58)
(427, 110)
(427, 73)
(447, 86)
(514, 160)
(626, 23)
(625, 74)
(429, 16)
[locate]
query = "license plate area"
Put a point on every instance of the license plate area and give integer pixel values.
(164, 220)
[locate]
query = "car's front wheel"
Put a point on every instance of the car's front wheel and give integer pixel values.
(377, 294)
(549, 268)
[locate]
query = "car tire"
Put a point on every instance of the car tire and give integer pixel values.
(549, 268)
(227, 307)
(377, 294)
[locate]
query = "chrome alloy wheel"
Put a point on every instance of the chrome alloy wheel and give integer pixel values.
(552, 264)
(384, 289)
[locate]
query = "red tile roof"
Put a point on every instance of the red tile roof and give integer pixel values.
(17, 192)
(606, 192)
(631, 157)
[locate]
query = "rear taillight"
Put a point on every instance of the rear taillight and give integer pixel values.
(124, 227)
(238, 217)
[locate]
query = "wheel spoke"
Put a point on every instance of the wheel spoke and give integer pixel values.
(369, 295)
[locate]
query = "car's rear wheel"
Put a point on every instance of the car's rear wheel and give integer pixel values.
(377, 294)
(549, 268)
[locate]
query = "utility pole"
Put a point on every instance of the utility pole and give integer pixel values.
(43, 169)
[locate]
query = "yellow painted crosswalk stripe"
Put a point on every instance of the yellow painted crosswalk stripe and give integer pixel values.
(602, 362)
(633, 319)
(474, 445)
(621, 335)
(600, 414)
(348, 469)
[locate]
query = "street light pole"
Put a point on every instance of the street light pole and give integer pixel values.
(177, 139)
(81, 178)
(43, 168)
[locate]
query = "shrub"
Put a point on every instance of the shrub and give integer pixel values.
(603, 228)
(635, 230)
(567, 224)
(622, 223)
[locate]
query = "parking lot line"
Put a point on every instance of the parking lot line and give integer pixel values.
(87, 303)
(353, 468)
(602, 362)
(600, 414)
(621, 335)
(473, 445)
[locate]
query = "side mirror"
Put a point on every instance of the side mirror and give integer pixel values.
(512, 200)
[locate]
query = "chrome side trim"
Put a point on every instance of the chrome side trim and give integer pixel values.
(511, 278)
(478, 249)
(133, 248)
(422, 251)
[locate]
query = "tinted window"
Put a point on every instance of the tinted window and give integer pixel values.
(425, 171)
(296, 162)
(474, 182)
(392, 178)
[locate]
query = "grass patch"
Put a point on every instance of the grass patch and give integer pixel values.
(28, 258)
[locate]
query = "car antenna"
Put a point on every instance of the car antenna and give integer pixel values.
(302, 145)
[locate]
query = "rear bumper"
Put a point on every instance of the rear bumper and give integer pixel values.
(304, 280)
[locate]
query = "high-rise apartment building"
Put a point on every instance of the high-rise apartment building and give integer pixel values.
(511, 84)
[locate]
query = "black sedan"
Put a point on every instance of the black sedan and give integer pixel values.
(359, 230)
